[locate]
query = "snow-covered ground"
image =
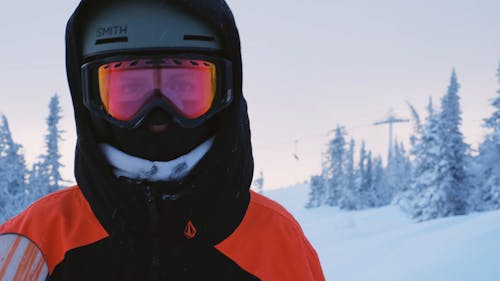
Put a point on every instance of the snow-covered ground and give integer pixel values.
(383, 244)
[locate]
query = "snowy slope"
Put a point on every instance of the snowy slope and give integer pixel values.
(382, 244)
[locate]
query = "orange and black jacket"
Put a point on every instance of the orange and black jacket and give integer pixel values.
(267, 245)
(207, 226)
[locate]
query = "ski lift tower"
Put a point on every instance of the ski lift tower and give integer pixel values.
(391, 119)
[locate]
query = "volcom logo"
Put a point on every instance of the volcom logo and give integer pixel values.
(190, 231)
(112, 31)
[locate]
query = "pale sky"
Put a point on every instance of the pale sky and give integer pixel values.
(308, 66)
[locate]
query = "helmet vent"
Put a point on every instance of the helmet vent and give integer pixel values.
(199, 38)
(111, 40)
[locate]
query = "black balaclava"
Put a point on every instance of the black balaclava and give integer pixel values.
(144, 142)
(214, 196)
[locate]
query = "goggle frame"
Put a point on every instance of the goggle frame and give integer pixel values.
(92, 99)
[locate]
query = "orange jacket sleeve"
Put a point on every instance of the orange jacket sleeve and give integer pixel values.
(72, 224)
(270, 244)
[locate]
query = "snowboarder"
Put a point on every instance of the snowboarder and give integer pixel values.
(163, 159)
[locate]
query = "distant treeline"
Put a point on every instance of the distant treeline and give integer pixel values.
(437, 177)
(20, 185)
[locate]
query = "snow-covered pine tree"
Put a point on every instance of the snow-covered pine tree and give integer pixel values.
(347, 198)
(489, 155)
(364, 195)
(12, 174)
(361, 170)
(52, 157)
(360, 174)
(398, 171)
(334, 169)
(406, 168)
(393, 170)
(382, 191)
(440, 184)
(367, 188)
(45, 176)
(424, 176)
(426, 153)
(38, 181)
(317, 192)
(452, 177)
(319, 184)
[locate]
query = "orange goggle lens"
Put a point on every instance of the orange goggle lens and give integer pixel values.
(125, 87)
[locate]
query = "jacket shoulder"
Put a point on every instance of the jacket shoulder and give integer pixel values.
(270, 243)
(21, 259)
(266, 207)
(57, 223)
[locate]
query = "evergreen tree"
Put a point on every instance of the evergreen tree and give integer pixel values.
(364, 187)
(12, 174)
(382, 191)
(440, 186)
(406, 168)
(361, 171)
(489, 155)
(50, 164)
(347, 198)
(44, 176)
(317, 192)
(4, 186)
(452, 175)
(393, 171)
(398, 171)
(426, 152)
(38, 181)
(367, 188)
(334, 168)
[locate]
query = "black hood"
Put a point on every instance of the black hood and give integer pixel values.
(214, 196)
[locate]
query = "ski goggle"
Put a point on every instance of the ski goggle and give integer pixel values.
(124, 90)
